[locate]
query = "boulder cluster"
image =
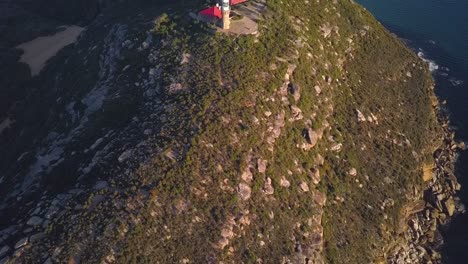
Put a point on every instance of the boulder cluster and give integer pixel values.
(426, 217)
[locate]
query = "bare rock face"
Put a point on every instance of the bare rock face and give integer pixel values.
(289, 71)
(295, 90)
(175, 87)
(185, 58)
(4, 250)
(304, 186)
(319, 160)
(244, 191)
(360, 116)
(296, 113)
(284, 182)
(326, 30)
(35, 221)
(449, 205)
(125, 155)
(22, 242)
(311, 138)
(315, 175)
(247, 175)
(101, 185)
(268, 188)
(172, 155)
(336, 147)
(317, 89)
(427, 173)
(275, 128)
(227, 232)
(320, 198)
(223, 242)
(261, 165)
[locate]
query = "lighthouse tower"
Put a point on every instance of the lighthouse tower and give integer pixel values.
(226, 9)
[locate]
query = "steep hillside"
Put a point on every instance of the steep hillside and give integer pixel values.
(154, 139)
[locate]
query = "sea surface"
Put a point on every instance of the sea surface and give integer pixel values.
(437, 30)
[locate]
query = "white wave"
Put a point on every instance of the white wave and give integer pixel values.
(441, 70)
(433, 66)
(443, 74)
(455, 82)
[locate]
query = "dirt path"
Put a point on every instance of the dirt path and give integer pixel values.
(39, 50)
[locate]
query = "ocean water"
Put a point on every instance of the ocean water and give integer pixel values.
(437, 30)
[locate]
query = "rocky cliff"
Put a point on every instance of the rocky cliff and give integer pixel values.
(155, 139)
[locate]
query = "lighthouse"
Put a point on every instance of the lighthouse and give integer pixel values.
(226, 9)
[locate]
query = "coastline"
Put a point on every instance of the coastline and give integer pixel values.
(446, 233)
(415, 216)
(441, 43)
(431, 211)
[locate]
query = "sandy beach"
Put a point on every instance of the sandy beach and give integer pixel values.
(38, 51)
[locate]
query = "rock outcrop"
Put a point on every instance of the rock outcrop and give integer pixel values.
(432, 210)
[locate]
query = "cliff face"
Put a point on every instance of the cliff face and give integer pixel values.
(153, 139)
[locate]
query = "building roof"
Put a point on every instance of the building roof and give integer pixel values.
(235, 2)
(213, 11)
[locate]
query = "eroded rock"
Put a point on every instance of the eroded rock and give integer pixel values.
(360, 116)
(267, 187)
(449, 206)
(35, 221)
(295, 90)
(21, 243)
(304, 186)
(244, 191)
(262, 165)
(284, 182)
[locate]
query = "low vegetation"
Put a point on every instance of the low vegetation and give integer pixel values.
(219, 121)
